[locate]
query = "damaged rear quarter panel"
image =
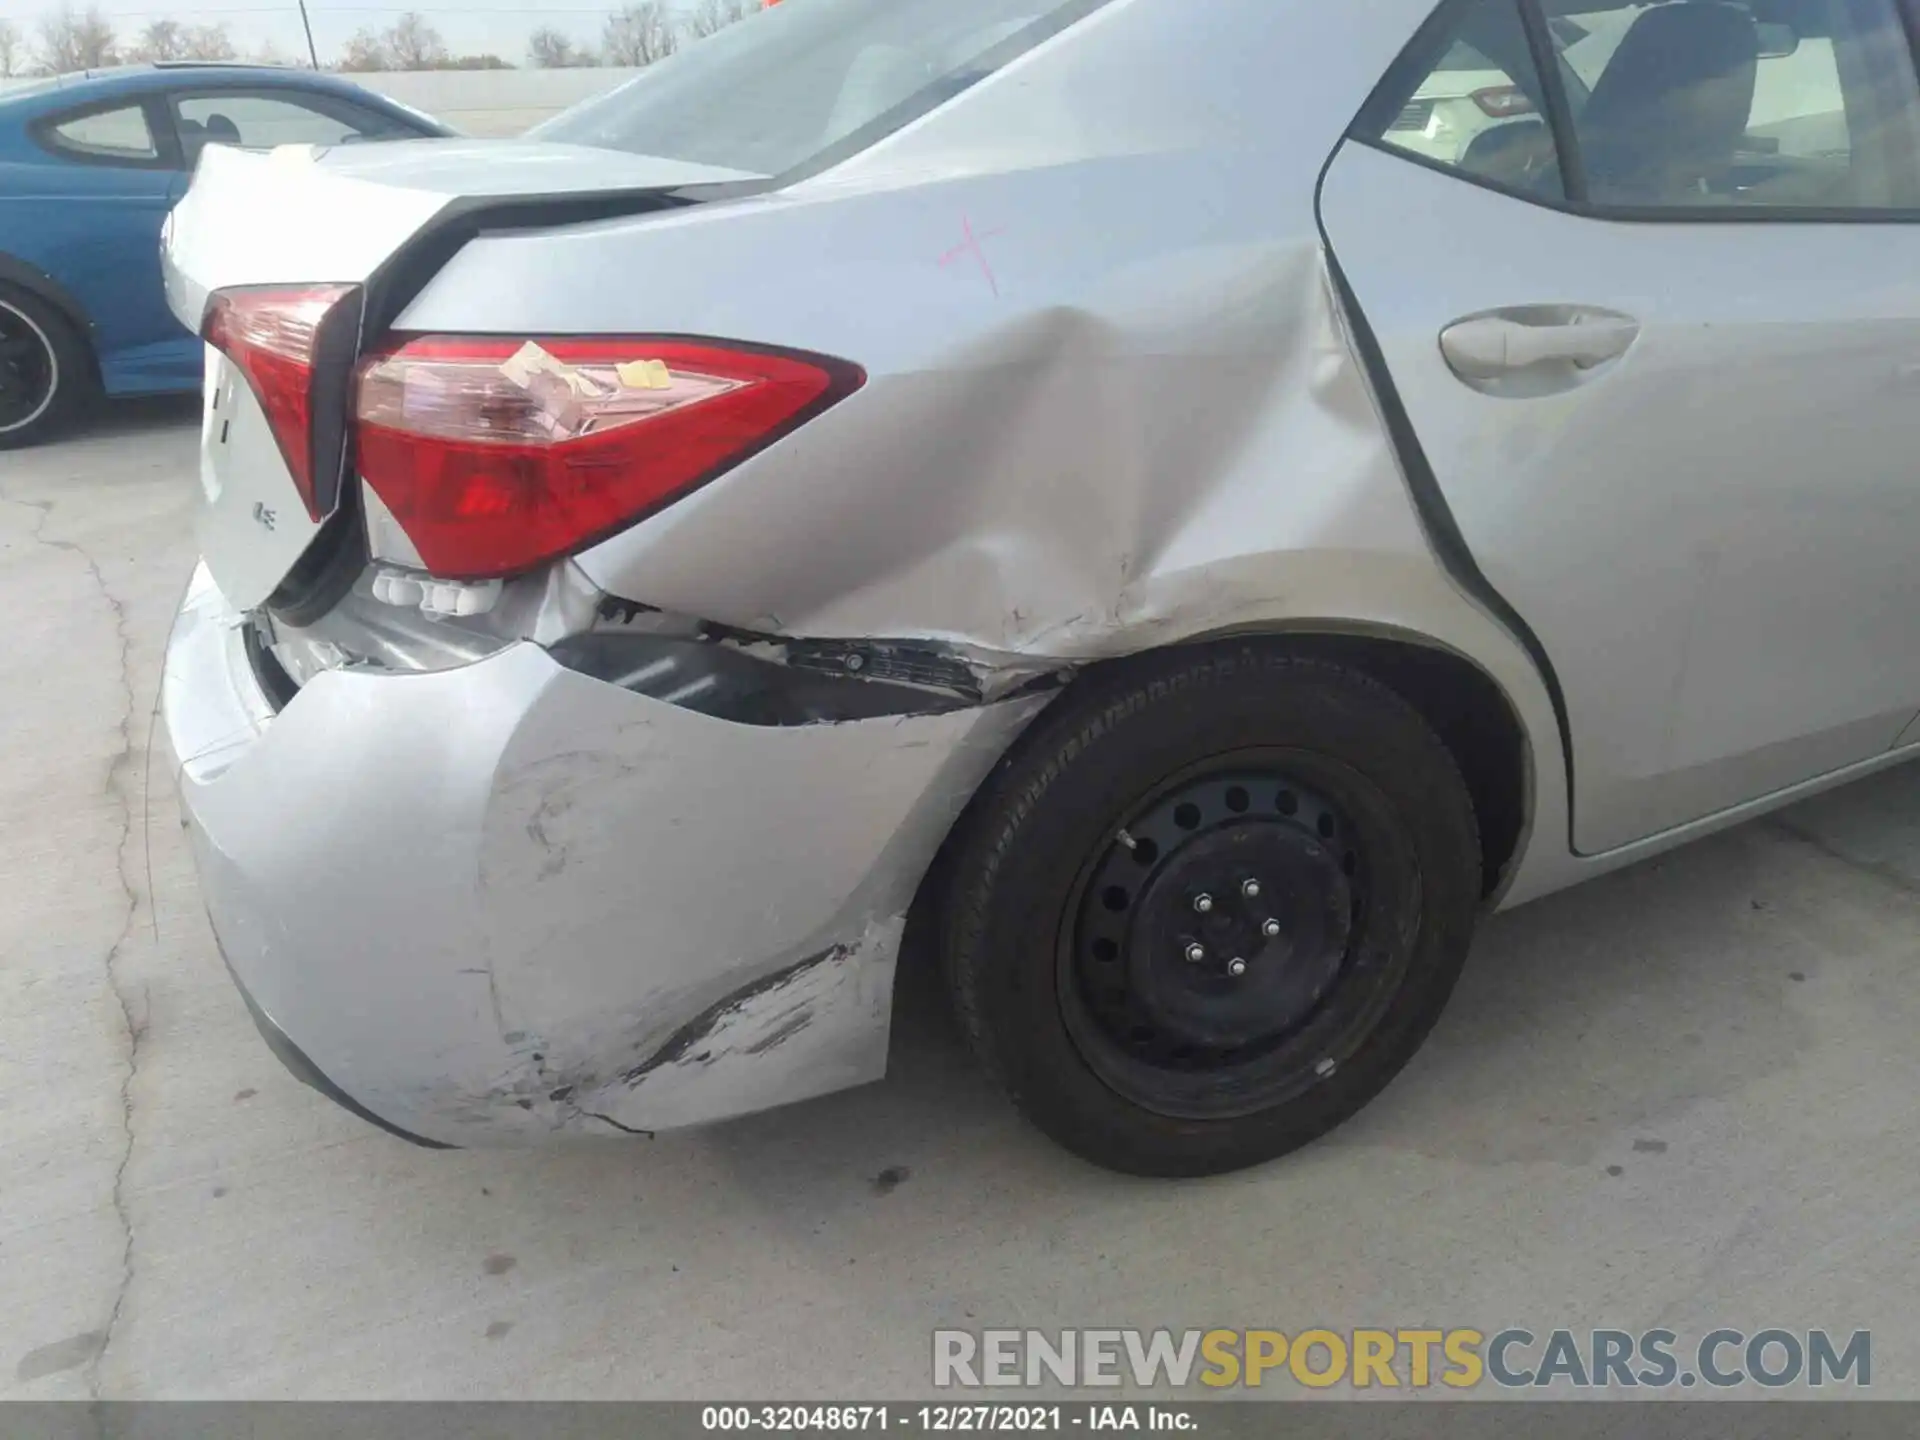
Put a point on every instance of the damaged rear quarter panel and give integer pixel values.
(1108, 403)
(1111, 405)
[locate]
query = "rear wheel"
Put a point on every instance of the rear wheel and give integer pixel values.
(45, 374)
(1211, 907)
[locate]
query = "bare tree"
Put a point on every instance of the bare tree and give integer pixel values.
(12, 48)
(550, 50)
(639, 34)
(83, 41)
(414, 44)
(161, 40)
(710, 17)
(209, 42)
(366, 51)
(170, 40)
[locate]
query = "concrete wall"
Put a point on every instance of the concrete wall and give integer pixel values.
(487, 102)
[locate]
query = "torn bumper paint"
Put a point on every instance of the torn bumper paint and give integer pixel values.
(505, 901)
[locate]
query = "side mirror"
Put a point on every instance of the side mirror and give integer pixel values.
(1777, 41)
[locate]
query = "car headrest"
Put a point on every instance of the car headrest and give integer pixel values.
(1671, 108)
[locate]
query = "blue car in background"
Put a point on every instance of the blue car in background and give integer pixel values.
(89, 166)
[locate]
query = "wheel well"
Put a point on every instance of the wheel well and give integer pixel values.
(17, 276)
(1463, 704)
(1469, 713)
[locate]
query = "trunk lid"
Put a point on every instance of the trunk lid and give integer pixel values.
(306, 216)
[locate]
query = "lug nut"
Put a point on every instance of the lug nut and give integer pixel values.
(1270, 929)
(1196, 952)
(1251, 889)
(1203, 903)
(1236, 968)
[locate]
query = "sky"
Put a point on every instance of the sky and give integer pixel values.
(498, 27)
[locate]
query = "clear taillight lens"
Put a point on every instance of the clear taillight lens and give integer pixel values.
(495, 455)
(273, 335)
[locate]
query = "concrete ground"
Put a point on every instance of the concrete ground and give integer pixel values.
(1682, 1096)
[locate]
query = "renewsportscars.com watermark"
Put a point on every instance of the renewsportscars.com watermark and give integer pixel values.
(1409, 1359)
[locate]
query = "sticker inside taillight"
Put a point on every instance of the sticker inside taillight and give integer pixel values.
(495, 455)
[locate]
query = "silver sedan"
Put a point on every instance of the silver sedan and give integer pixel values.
(1109, 480)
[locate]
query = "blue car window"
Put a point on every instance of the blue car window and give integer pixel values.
(259, 122)
(120, 134)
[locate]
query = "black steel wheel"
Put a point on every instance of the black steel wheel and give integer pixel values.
(1215, 946)
(45, 376)
(1210, 906)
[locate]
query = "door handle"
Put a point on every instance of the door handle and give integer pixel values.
(1489, 346)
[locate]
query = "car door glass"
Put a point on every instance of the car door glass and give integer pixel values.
(1469, 98)
(260, 122)
(121, 134)
(1796, 103)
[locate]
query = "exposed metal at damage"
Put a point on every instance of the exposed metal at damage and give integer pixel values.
(706, 1037)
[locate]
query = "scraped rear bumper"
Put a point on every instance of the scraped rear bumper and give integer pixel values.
(507, 901)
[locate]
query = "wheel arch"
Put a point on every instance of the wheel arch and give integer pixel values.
(24, 275)
(1467, 707)
(1471, 712)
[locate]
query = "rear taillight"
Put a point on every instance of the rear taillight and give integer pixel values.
(495, 455)
(274, 336)
(1502, 102)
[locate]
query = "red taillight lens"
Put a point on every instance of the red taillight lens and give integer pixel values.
(1503, 102)
(495, 455)
(272, 336)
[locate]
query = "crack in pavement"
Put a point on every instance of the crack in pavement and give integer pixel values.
(119, 772)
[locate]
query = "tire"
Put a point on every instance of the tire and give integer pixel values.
(1068, 946)
(46, 370)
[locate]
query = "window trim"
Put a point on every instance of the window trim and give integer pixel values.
(342, 109)
(1441, 23)
(1559, 113)
(166, 144)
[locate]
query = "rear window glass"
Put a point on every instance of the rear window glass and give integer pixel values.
(119, 134)
(1463, 56)
(805, 83)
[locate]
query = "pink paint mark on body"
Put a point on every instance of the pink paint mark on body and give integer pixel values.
(972, 246)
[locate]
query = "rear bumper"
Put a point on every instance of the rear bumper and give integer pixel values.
(506, 902)
(309, 1074)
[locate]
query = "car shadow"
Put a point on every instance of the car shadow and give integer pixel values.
(137, 415)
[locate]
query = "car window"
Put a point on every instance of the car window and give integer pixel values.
(796, 87)
(120, 134)
(1471, 99)
(1808, 105)
(259, 122)
(1797, 103)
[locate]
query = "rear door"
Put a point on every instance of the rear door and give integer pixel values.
(1657, 332)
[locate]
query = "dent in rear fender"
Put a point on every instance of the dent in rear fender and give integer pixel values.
(1111, 404)
(1094, 440)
